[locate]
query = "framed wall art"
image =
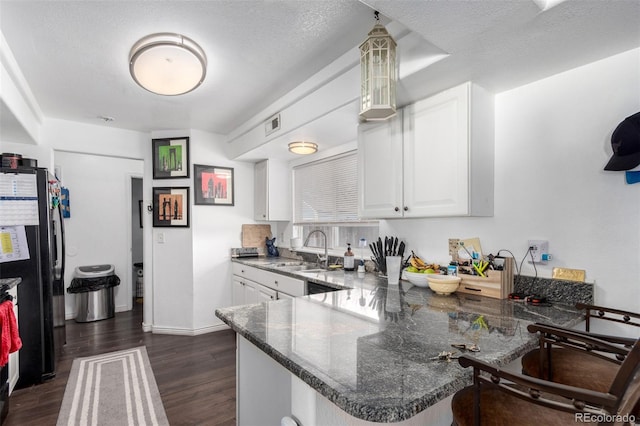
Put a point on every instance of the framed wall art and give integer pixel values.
(170, 158)
(171, 207)
(213, 185)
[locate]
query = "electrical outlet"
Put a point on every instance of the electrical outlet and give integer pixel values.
(539, 251)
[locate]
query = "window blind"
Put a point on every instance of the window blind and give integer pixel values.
(326, 191)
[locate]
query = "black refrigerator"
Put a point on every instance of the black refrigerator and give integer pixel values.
(30, 208)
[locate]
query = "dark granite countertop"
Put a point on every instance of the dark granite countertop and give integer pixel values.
(369, 349)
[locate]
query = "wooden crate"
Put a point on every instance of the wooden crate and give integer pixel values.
(497, 284)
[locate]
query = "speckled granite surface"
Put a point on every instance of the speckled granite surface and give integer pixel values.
(370, 349)
(569, 292)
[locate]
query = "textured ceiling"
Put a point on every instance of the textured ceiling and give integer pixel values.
(73, 54)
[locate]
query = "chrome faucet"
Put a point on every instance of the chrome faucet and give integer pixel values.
(324, 259)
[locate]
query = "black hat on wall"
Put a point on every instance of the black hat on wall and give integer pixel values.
(625, 142)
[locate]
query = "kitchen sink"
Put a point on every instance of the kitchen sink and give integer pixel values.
(300, 267)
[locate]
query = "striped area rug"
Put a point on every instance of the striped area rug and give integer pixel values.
(116, 388)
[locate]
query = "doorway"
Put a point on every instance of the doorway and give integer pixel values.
(137, 253)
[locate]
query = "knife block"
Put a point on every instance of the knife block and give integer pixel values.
(497, 284)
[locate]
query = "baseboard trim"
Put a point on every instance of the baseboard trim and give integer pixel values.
(186, 331)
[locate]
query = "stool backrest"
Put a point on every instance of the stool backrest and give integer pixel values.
(626, 385)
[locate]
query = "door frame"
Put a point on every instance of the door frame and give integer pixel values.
(129, 282)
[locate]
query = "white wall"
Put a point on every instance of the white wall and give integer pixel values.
(44, 155)
(552, 142)
(98, 230)
(216, 230)
(191, 269)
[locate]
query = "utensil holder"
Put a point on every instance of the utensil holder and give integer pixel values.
(497, 284)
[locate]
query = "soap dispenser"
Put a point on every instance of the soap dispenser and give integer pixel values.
(349, 259)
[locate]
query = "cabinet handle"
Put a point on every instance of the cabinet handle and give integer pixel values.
(406, 208)
(397, 209)
(242, 270)
(276, 282)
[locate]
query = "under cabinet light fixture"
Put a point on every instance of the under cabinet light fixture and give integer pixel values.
(303, 148)
(167, 64)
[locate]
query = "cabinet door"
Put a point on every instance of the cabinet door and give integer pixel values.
(436, 155)
(260, 191)
(282, 295)
(380, 169)
(251, 294)
(272, 190)
(265, 294)
(237, 291)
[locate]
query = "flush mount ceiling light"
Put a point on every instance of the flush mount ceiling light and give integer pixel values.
(378, 74)
(303, 148)
(167, 64)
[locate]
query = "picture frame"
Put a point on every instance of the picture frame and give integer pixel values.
(213, 185)
(170, 158)
(171, 207)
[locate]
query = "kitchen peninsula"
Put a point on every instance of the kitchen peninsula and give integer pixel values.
(370, 353)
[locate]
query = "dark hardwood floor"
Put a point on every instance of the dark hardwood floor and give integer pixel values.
(195, 375)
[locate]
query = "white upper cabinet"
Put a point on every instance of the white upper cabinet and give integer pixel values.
(380, 169)
(272, 191)
(438, 163)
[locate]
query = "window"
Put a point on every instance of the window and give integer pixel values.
(325, 197)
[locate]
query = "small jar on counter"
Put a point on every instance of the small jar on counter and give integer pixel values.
(349, 259)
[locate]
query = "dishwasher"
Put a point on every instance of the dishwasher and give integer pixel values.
(315, 288)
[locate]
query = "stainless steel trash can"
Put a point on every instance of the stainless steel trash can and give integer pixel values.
(95, 305)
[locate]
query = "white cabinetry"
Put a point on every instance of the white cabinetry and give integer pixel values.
(435, 160)
(272, 191)
(246, 292)
(254, 285)
(380, 168)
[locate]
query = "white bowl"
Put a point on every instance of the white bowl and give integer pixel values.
(418, 278)
(443, 284)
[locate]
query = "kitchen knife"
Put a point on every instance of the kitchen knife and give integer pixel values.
(401, 249)
(395, 246)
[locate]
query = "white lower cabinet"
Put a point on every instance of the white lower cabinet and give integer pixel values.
(246, 292)
(254, 285)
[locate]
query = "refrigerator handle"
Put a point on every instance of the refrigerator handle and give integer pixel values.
(62, 242)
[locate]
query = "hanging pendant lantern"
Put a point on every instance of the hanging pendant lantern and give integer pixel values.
(378, 74)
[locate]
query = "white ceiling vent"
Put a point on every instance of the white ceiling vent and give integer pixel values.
(272, 124)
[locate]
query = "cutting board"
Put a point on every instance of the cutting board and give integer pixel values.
(254, 235)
